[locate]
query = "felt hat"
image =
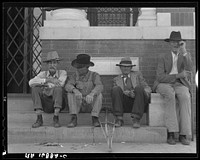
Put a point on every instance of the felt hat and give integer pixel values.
(126, 61)
(82, 60)
(174, 36)
(53, 55)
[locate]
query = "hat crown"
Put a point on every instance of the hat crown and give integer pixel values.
(175, 36)
(126, 60)
(83, 59)
(53, 55)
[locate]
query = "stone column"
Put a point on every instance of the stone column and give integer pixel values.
(66, 17)
(147, 17)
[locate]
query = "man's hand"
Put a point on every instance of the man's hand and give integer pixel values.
(77, 93)
(182, 48)
(89, 98)
(54, 81)
(183, 74)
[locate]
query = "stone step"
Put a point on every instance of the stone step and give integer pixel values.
(23, 133)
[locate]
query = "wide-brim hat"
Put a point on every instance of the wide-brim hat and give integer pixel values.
(53, 55)
(174, 36)
(126, 61)
(82, 60)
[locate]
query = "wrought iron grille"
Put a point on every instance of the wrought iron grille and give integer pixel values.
(112, 16)
(23, 47)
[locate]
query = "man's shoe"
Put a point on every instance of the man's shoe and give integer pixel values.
(119, 123)
(38, 122)
(171, 139)
(95, 121)
(136, 123)
(184, 140)
(56, 121)
(73, 122)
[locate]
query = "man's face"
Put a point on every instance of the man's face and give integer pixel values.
(83, 70)
(125, 70)
(52, 65)
(174, 46)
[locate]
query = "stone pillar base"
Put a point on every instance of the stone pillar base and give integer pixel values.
(67, 23)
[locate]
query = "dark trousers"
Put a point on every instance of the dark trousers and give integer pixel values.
(122, 103)
(47, 103)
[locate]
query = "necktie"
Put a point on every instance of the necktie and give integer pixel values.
(127, 83)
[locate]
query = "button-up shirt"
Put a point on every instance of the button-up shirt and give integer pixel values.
(174, 66)
(61, 75)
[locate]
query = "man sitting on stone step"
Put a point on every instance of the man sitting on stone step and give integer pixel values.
(47, 90)
(173, 82)
(84, 89)
(130, 93)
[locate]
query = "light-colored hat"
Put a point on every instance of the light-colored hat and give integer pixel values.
(126, 61)
(53, 55)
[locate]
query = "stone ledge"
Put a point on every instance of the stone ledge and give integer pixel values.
(75, 33)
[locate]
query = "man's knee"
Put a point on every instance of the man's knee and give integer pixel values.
(116, 89)
(139, 88)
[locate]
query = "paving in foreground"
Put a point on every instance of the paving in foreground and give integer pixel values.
(101, 148)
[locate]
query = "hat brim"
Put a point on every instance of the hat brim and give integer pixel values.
(168, 40)
(52, 60)
(126, 65)
(77, 65)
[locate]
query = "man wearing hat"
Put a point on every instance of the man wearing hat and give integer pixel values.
(130, 93)
(47, 89)
(173, 83)
(84, 89)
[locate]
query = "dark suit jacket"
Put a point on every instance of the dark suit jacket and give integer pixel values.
(165, 67)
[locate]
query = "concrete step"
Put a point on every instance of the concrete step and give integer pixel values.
(23, 133)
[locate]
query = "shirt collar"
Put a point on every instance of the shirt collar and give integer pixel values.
(55, 75)
(173, 54)
(124, 76)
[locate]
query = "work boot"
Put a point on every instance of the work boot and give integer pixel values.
(171, 139)
(38, 122)
(95, 121)
(73, 122)
(136, 123)
(56, 121)
(119, 123)
(184, 140)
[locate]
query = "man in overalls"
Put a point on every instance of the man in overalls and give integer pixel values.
(47, 90)
(84, 89)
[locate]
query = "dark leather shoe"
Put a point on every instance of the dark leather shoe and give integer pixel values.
(95, 121)
(73, 122)
(38, 122)
(56, 121)
(119, 123)
(171, 139)
(136, 123)
(184, 140)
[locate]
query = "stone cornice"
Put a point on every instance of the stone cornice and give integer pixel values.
(75, 33)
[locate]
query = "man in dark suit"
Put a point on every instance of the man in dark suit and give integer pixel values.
(130, 93)
(173, 83)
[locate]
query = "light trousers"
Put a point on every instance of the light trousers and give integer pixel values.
(76, 104)
(177, 117)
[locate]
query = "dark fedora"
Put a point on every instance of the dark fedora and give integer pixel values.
(174, 36)
(126, 61)
(82, 60)
(53, 55)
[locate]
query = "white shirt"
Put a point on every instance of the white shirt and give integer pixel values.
(125, 78)
(41, 77)
(174, 66)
